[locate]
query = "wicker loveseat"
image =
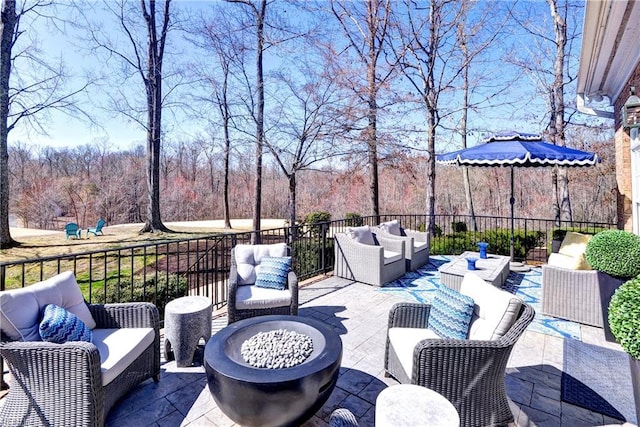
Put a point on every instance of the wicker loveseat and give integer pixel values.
(74, 383)
(468, 372)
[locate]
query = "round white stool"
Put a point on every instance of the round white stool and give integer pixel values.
(186, 320)
(408, 405)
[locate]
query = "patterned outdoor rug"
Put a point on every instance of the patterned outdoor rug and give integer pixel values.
(418, 286)
(585, 384)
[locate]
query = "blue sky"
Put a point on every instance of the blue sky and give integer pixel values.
(66, 131)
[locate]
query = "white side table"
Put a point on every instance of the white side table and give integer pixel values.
(186, 320)
(408, 405)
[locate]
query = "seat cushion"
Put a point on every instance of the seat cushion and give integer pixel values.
(404, 340)
(249, 256)
(450, 313)
(568, 262)
(391, 227)
(361, 235)
(391, 256)
(272, 272)
(119, 348)
(495, 310)
(21, 308)
(59, 326)
(254, 297)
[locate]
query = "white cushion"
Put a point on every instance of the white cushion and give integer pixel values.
(253, 297)
(20, 309)
(119, 348)
(361, 235)
(404, 340)
(249, 256)
(391, 227)
(566, 261)
(391, 256)
(418, 246)
(495, 309)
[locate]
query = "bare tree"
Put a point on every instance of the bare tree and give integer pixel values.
(258, 9)
(144, 56)
(366, 32)
(26, 97)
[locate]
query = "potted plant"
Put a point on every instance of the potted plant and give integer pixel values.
(624, 321)
(616, 255)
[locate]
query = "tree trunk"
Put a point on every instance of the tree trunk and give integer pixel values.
(153, 86)
(8, 28)
(292, 207)
(257, 207)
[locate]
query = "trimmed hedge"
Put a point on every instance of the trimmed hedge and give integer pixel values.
(615, 252)
(498, 239)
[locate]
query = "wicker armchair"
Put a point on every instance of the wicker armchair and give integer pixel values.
(371, 264)
(469, 373)
(62, 384)
(245, 299)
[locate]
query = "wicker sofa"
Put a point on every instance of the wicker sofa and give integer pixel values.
(248, 300)
(76, 382)
(469, 373)
(378, 261)
(416, 249)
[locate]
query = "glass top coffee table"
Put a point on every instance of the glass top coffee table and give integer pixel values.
(494, 269)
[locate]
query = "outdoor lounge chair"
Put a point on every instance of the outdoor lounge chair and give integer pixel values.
(73, 383)
(98, 228)
(248, 297)
(368, 257)
(72, 230)
(469, 372)
(416, 248)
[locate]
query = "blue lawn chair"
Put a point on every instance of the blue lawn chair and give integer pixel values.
(72, 230)
(97, 229)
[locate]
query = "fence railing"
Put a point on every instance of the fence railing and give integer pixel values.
(162, 271)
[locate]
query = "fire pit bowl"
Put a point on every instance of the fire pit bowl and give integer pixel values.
(253, 396)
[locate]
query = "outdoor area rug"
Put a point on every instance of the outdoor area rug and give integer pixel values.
(585, 384)
(419, 285)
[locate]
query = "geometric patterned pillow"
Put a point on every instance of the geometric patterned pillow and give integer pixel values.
(450, 313)
(272, 272)
(59, 326)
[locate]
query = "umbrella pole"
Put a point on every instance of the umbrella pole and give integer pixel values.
(512, 201)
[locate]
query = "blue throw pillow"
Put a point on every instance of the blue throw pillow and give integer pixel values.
(272, 272)
(450, 313)
(59, 326)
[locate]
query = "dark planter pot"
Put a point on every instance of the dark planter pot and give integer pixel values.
(635, 380)
(555, 245)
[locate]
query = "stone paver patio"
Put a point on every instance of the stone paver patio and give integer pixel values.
(359, 314)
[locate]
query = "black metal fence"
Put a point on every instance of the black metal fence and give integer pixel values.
(160, 272)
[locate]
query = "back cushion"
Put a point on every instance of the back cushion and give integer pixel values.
(391, 227)
(495, 309)
(20, 309)
(575, 245)
(361, 235)
(249, 256)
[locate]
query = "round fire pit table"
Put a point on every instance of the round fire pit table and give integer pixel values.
(286, 396)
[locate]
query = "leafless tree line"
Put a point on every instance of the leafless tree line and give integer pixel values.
(333, 105)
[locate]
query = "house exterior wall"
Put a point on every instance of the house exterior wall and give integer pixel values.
(623, 157)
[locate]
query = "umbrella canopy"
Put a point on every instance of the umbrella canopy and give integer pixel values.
(516, 149)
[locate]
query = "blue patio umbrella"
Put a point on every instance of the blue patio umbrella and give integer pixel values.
(515, 149)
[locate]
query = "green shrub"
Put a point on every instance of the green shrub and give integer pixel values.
(315, 217)
(615, 252)
(559, 233)
(624, 316)
(148, 291)
(353, 219)
(437, 230)
(498, 239)
(459, 226)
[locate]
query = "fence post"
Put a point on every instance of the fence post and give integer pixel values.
(323, 255)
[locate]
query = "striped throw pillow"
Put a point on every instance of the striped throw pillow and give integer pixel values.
(59, 326)
(272, 272)
(450, 314)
